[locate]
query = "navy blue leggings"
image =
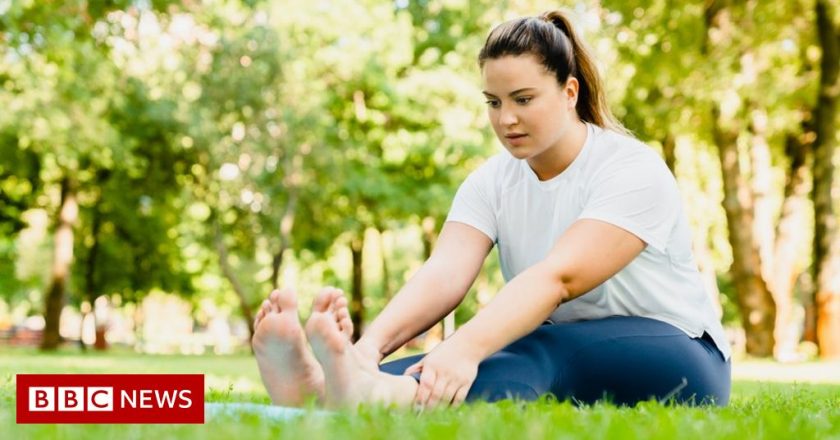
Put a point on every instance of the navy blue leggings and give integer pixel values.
(621, 359)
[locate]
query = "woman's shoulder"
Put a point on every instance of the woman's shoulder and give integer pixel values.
(614, 143)
(614, 150)
(500, 170)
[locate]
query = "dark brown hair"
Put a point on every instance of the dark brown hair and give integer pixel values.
(552, 39)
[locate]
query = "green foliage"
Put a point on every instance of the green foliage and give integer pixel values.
(9, 281)
(77, 115)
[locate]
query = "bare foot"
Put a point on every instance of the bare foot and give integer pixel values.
(349, 380)
(289, 371)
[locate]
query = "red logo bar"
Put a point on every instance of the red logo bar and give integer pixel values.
(110, 398)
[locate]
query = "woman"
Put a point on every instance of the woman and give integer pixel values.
(603, 300)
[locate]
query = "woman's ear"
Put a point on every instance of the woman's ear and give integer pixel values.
(571, 90)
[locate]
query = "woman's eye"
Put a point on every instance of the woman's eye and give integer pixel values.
(493, 103)
(523, 100)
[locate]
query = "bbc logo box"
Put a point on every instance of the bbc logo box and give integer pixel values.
(110, 398)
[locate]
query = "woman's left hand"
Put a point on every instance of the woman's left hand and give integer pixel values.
(446, 375)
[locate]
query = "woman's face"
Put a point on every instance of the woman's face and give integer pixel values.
(530, 111)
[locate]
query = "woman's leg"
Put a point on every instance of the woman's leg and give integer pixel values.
(349, 379)
(630, 359)
(625, 359)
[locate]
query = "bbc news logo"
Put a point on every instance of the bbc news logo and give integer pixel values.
(110, 398)
(102, 399)
(71, 399)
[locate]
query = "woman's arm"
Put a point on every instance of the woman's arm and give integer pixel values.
(586, 255)
(434, 291)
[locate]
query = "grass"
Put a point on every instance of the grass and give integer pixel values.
(759, 409)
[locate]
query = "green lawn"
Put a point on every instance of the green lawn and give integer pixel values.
(758, 410)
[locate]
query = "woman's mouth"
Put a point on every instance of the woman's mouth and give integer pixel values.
(515, 138)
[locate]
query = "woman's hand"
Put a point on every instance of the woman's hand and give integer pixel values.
(446, 375)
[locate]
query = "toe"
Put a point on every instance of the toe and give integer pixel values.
(337, 299)
(286, 299)
(322, 301)
(342, 316)
(346, 326)
(341, 302)
(342, 313)
(259, 317)
(335, 338)
(273, 299)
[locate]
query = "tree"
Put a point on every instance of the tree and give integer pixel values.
(61, 125)
(715, 74)
(826, 261)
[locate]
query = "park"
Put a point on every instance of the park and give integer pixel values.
(166, 164)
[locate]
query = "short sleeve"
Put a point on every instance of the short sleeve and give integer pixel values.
(473, 203)
(638, 194)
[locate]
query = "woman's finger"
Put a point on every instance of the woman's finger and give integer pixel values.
(461, 395)
(437, 394)
(449, 392)
(424, 390)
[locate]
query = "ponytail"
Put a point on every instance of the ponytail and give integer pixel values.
(552, 38)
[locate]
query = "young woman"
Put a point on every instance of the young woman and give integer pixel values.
(603, 299)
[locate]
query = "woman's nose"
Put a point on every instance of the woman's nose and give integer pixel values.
(507, 117)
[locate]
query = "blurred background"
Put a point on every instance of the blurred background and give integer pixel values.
(165, 164)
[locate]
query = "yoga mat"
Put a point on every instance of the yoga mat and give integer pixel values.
(272, 412)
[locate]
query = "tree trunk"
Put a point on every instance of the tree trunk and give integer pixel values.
(805, 283)
(229, 273)
(62, 261)
(100, 343)
(826, 236)
(287, 222)
(277, 264)
(292, 182)
(778, 252)
(357, 307)
(760, 186)
(755, 303)
(84, 314)
(790, 232)
(386, 270)
(758, 312)
(669, 153)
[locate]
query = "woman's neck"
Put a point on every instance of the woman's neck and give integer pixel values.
(557, 158)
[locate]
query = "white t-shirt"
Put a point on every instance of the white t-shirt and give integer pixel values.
(615, 179)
